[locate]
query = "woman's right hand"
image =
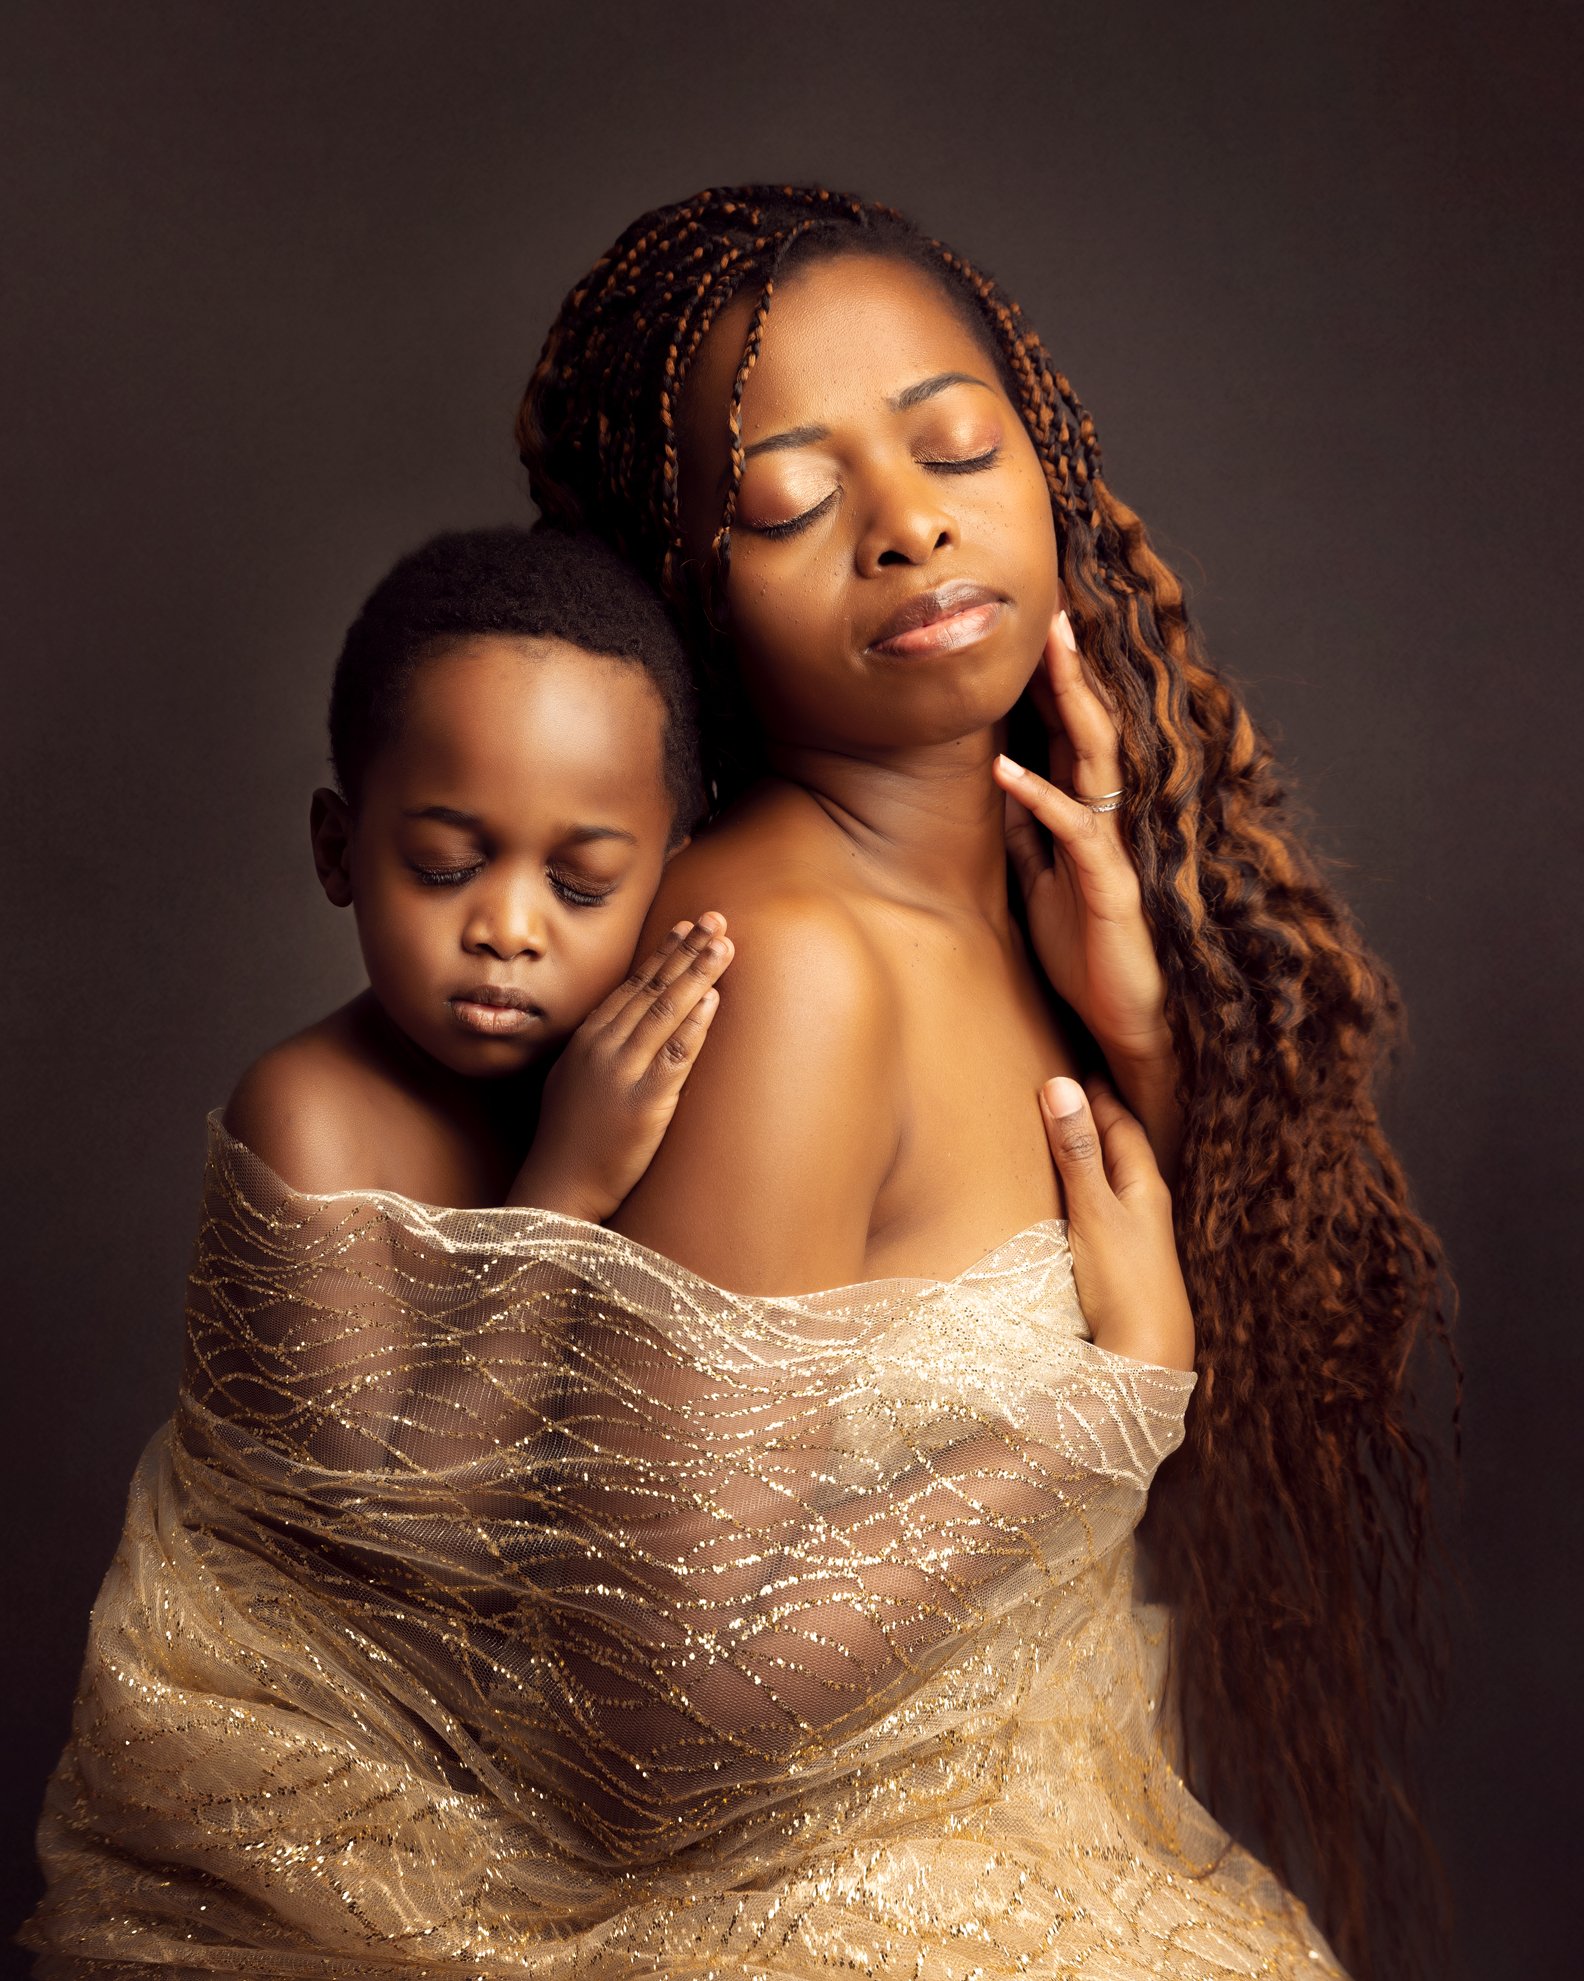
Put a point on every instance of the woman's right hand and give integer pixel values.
(1119, 1225)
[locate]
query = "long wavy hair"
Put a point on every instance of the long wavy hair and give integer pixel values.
(1294, 1535)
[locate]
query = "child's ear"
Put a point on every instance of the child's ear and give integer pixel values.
(330, 827)
(672, 851)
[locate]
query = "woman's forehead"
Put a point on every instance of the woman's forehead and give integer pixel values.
(841, 332)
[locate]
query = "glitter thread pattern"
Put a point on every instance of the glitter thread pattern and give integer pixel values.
(504, 1600)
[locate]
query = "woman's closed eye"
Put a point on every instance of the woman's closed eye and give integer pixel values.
(793, 524)
(949, 464)
(970, 464)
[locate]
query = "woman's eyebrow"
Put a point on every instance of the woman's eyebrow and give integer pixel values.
(915, 395)
(900, 402)
(795, 436)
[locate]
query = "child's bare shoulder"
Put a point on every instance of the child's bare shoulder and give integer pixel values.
(308, 1108)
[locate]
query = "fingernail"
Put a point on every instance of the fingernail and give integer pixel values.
(1012, 769)
(1062, 1097)
(680, 928)
(713, 922)
(1064, 632)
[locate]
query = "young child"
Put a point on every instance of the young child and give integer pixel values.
(512, 735)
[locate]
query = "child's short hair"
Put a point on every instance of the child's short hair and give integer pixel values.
(539, 584)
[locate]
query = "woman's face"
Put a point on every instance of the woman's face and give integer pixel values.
(893, 562)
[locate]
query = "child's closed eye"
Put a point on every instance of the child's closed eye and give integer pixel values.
(446, 876)
(581, 893)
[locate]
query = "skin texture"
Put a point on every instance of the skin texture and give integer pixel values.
(512, 835)
(869, 1102)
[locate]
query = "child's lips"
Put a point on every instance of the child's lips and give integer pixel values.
(495, 1011)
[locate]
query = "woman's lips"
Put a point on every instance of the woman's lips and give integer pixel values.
(495, 1012)
(936, 621)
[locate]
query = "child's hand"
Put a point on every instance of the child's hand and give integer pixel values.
(609, 1098)
(1119, 1224)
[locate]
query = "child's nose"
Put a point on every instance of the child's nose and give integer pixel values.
(508, 924)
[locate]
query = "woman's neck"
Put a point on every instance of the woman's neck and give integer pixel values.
(927, 823)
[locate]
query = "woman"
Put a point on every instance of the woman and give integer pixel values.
(841, 453)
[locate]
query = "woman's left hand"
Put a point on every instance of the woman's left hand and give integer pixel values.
(1085, 910)
(1119, 1225)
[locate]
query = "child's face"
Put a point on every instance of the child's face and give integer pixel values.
(506, 847)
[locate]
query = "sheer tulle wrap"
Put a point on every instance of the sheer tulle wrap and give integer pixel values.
(504, 1600)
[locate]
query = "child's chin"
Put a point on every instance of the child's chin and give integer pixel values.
(499, 1059)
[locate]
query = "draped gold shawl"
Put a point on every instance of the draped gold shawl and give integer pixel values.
(503, 1600)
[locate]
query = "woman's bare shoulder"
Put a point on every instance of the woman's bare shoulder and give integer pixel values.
(789, 1123)
(775, 855)
(806, 967)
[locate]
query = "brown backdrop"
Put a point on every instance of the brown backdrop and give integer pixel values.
(276, 273)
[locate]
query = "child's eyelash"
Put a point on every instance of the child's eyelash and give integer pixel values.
(580, 897)
(445, 876)
(793, 524)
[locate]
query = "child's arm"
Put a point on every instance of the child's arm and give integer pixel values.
(610, 1096)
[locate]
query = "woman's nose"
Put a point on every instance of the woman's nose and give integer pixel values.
(908, 522)
(507, 923)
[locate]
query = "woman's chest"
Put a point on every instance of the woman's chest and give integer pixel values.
(977, 1038)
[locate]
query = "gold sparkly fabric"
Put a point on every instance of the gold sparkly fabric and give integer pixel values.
(503, 1600)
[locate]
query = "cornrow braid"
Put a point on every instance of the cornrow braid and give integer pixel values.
(721, 546)
(1293, 1536)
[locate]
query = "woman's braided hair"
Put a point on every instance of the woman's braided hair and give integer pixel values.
(1294, 1537)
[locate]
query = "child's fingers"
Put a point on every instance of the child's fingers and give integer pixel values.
(652, 979)
(673, 1061)
(668, 999)
(641, 973)
(1129, 1159)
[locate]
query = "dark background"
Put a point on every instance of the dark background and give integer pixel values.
(276, 274)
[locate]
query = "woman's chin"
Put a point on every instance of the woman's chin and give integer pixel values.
(971, 715)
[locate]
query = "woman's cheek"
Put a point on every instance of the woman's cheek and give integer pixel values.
(770, 624)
